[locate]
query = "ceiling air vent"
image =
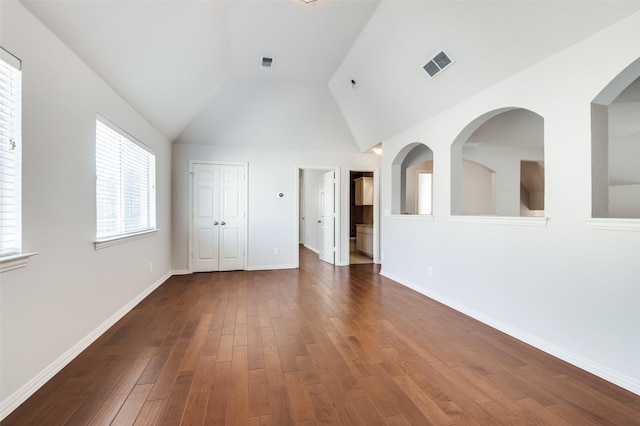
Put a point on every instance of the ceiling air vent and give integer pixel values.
(436, 64)
(266, 63)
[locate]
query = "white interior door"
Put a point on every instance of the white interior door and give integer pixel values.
(232, 215)
(327, 217)
(205, 232)
(218, 224)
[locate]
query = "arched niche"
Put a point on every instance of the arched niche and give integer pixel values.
(413, 160)
(509, 145)
(615, 147)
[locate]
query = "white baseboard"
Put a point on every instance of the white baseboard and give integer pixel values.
(602, 371)
(180, 272)
(24, 392)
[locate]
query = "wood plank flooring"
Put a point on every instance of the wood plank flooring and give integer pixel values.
(318, 345)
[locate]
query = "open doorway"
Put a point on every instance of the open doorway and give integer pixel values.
(318, 207)
(361, 209)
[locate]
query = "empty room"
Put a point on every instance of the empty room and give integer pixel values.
(319, 212)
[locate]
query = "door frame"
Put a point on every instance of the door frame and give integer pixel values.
(337, 238)
(417, 207)
(245, 165)
(376, 211)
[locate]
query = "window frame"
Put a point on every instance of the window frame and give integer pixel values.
(127, 148)
(10, 154)
(11, 254)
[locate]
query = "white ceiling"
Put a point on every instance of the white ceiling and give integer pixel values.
(488, 40)
(169, 59)
(176, 60)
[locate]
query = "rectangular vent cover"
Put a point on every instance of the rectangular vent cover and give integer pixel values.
(266, 63)
(438, 63)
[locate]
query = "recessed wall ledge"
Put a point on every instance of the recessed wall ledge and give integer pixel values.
(613, 224)
(502, 220)
(416, 217)
(15, 261)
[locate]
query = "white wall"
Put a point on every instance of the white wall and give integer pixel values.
(624, 153)
(67, 293)
(624, 201)
(272, 221)
(578, 299)
(478, 189)
(278, 115)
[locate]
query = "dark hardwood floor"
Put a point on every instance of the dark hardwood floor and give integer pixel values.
(322, 344)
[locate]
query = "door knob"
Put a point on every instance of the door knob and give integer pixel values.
(222, 223)
(215, 223)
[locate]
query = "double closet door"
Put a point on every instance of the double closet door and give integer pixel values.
(219, 217)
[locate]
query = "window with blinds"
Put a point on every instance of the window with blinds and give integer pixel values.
(125, 184)
(10, 154)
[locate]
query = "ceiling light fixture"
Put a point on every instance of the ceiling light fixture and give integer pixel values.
(307, 1)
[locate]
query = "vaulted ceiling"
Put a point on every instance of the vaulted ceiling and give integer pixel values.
(192, 67)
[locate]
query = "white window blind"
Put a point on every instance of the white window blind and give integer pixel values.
(125, 184)
(10, 154)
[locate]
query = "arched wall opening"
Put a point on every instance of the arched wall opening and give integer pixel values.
(615, 147)
(509, 145)
(412, 180)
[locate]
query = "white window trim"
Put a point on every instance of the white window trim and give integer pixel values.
(121, 239)
(111, 240)
(14, 261)
(15, 258)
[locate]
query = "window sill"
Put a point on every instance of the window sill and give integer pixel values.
(501, 220)
(121, 239)
(611, 224)
(14, 261)
(418, 217)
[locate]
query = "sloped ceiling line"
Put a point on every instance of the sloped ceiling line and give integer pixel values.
(174, 61)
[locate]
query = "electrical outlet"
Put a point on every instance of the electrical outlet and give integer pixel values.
(430, 270)
(275, 251)
(150, 266)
